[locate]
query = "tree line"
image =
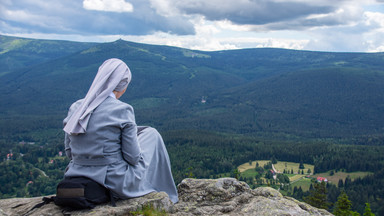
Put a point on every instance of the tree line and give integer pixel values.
(353, 195)
(202, 154)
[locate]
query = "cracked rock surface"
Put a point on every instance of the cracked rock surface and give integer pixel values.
(224, 196)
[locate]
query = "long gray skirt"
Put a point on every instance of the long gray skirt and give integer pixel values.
(153, 173)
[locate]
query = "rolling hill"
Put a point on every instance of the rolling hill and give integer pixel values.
(16, 53)
(264, 91)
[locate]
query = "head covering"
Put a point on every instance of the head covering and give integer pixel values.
(113, 75)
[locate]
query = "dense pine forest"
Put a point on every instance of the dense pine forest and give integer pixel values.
(215, 110)
(35, 168)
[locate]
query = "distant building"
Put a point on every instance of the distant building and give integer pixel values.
(322, 179)
(29, 143)
(203, 100)
(273, 174)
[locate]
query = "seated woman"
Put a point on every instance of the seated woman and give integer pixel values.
(104, 143)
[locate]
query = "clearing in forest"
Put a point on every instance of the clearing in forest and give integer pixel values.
(288, 166)
(341, 175)
(247, 166)
(280, 166)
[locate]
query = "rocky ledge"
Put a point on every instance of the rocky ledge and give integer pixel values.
(224, 196)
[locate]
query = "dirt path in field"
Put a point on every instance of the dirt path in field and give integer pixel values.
(273, 167)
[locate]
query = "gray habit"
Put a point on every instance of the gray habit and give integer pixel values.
(129, 160)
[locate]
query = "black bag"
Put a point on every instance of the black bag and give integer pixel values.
(76, 193)
(81, 193)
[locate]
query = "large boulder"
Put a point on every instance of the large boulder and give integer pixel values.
(224, 196)
(21, 206)
(228, 196)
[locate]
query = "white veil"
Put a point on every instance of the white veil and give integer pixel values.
(113, 75)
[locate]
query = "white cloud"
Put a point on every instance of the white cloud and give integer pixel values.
(323, 25)
(228, 25)
(374, 18)
(164, 7)
(208, 40)
(108, 5)
(359, 35)
(374, 37)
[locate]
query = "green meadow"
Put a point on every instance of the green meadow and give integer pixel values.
(247, 170)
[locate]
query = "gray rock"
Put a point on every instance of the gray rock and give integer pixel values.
(225, 196)
(20, 206)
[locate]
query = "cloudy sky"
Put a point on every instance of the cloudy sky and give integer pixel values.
(320, 25)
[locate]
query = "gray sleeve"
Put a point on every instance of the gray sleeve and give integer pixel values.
(66, 136)
(66, 145)
(130, 145)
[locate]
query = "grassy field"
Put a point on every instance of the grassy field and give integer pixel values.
(246, 166)
(298, 180)
(248, 170)
(295, 177)
(341, 175)
(280, 166)
(304, 183)
(288, 166)
(250, 173)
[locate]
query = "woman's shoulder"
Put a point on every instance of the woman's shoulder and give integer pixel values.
(113, 103)
(116, 108)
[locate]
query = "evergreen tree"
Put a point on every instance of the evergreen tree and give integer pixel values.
(273, 160)
(268, 165)
(343, 205)
(260, 170)
(236, 174)
(367, 210)
(189, 173)
(347, 181)
(268, 175)
(318, 196)
(301, 166)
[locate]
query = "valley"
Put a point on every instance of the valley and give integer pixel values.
(217, 112)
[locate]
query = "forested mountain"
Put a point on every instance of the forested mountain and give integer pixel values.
(253, 91)
(215, 110)
(18, 53)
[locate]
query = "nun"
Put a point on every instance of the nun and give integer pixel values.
(105, 144)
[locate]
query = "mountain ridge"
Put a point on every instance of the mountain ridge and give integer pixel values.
(249, 91)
